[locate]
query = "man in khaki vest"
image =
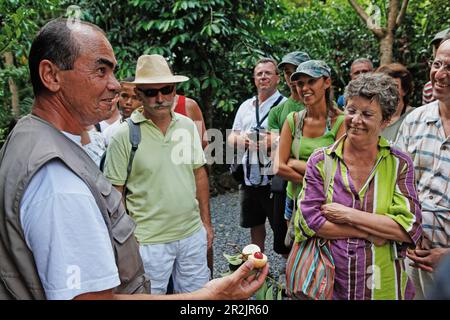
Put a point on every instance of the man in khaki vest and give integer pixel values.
(64, 233)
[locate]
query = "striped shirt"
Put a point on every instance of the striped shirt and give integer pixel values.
(422, 136)
(363, 270)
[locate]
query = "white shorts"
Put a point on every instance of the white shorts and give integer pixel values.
(184, 259)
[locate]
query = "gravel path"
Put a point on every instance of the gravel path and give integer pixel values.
(225, 219)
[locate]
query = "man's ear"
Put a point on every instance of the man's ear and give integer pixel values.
(50, 75)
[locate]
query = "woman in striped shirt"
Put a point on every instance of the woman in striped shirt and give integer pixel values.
(371, 212)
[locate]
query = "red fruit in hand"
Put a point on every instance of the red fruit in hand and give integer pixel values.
(258, 255)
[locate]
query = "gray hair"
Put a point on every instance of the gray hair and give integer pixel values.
(362, 60)
(375, 86)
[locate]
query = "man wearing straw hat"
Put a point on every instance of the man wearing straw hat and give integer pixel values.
(167, 191)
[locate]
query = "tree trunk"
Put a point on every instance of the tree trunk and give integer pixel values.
(9, 61)
(386, 46)
(385, 35)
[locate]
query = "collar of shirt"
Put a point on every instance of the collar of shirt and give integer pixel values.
(433, 113)
(73, 137)
(268, 102)
(138, 117)
(338, 147)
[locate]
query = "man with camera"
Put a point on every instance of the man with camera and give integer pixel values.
(248, 134)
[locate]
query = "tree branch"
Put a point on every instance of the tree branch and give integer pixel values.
(362, 14)
(401, 14)
(379, 32)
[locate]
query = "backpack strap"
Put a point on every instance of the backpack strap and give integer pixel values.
(299, 117)
(135, 139)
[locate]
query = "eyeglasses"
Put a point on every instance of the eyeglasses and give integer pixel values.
(364, 115)
(262, 73)
(151, 93)
(438, 64)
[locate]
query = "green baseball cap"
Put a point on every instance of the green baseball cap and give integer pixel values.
(312, 68)
(440, 36)
(295, 58)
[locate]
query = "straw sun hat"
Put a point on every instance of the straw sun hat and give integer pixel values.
(154, 69)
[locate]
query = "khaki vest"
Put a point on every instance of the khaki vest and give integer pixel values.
(32, 144)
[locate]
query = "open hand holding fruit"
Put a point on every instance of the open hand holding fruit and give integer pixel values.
(250, 252)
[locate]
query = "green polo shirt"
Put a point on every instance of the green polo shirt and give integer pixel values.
(161, 187)
(278, 114)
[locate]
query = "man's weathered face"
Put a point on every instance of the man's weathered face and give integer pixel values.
(440, 73)
(266, 77)
(128, 100)
(359, 68)
(157, 99)
(90, 89)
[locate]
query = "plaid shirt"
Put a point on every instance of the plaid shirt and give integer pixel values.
(422, 136)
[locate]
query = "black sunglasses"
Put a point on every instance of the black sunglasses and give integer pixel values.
(150, 93)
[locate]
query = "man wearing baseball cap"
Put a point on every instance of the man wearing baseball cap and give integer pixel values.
(288, 65)
(276, 119)
(167, 191)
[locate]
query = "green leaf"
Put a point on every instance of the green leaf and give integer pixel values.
(279, 293)
(234, 260)
(205, 84)
(261, 293)
(215, 28)
(269, 292)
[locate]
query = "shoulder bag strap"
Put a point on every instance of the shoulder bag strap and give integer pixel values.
(259, 123)
(299, 117)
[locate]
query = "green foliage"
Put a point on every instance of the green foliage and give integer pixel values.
(19, 22)
(331, 32)
(212, 42)
(216, 43)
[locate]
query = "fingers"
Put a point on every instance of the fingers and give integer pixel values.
(258, 282)
(419, 260)
(422, 266)
(244, 270)
(422, 253)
